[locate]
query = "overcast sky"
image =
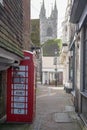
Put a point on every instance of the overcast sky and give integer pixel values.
(61, 5)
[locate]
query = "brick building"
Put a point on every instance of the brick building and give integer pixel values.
(14, 16)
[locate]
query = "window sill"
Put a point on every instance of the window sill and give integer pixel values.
(84, 94)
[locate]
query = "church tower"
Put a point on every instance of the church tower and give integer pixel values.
(48, 26)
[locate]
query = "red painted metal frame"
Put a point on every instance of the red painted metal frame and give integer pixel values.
(31, 99)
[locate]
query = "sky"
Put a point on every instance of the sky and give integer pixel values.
(61, 6)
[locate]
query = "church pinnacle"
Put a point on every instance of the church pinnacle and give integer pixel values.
(54, 11)
(42, 11)
(55, 7)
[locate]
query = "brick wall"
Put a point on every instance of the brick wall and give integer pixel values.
(26, 24)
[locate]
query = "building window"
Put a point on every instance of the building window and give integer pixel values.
(49, 32)
(1, 1)
(85, 59)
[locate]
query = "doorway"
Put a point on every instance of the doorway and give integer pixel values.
(2, 93)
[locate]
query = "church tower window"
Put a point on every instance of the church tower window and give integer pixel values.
(49, 31)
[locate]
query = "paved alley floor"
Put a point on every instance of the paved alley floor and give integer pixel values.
(54, 111)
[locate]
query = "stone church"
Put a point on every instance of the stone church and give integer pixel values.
(48, 26)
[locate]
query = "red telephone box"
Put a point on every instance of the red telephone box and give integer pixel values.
(21, 90)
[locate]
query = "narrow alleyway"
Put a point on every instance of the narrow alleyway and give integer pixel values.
(54, 111)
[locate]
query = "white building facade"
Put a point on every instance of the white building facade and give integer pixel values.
(51, 73)
(67, 36)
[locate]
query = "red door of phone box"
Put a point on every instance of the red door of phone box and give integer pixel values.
(21, 91)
